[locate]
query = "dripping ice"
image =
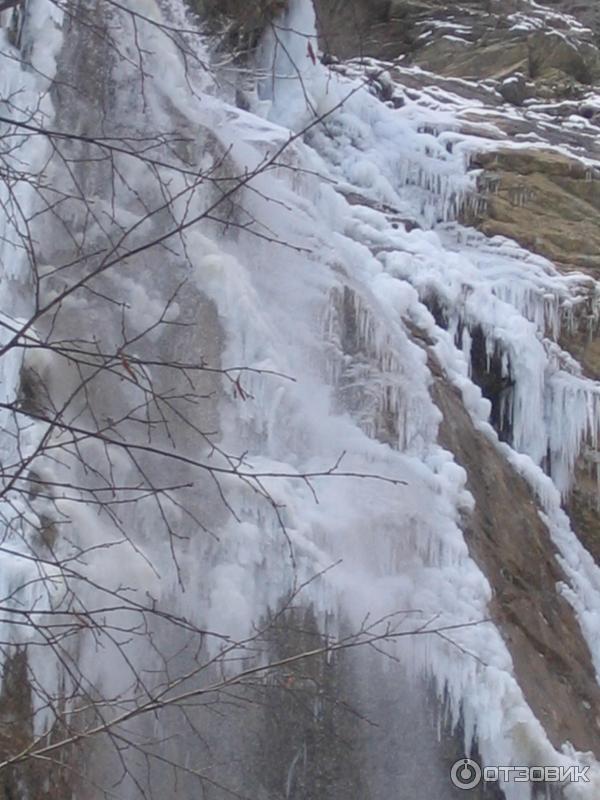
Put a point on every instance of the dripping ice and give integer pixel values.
(281, 310)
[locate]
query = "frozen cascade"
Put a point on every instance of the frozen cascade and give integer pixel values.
(326, 294)
(23, 97)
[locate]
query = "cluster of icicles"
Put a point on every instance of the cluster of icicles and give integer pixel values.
(336, 320)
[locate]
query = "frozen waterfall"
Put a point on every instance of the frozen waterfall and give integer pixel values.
(230, 410)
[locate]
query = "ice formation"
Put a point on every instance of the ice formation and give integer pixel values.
(322, 289)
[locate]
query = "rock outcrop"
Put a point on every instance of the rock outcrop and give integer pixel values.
(528, 75)
(482, 39)
(510, 543)
(546, 201)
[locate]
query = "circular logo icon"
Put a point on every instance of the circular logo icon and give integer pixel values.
(466, 774)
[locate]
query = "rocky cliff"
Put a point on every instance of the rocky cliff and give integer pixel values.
(531, 75)
(404, 280)
(528, 75)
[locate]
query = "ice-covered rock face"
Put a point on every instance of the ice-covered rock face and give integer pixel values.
(357, 314)
(479, 40)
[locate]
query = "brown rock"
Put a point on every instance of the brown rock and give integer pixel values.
(546, 201)
(508, 540)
